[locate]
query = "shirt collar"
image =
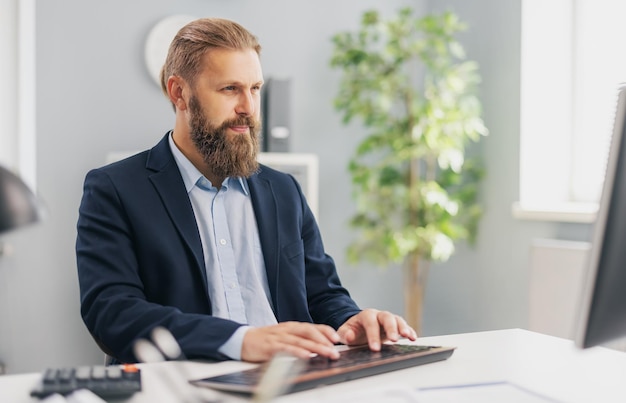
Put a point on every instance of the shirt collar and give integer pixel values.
(191, 175)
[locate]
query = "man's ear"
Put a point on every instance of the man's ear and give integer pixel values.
(175, 89)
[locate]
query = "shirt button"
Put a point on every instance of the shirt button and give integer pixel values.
(222, 242)
(232, 286)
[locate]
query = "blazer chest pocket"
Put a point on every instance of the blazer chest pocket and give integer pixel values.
(293, 250)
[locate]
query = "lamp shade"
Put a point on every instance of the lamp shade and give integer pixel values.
(18, 204)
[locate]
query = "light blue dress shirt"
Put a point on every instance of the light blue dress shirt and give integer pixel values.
(236, 276)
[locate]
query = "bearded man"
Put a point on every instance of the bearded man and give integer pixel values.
(195, 236)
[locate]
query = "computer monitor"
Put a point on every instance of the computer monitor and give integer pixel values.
(602, 309)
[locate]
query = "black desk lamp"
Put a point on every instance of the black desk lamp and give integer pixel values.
(18, 204)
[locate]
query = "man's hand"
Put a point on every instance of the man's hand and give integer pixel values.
(295, 338)
(374, 327)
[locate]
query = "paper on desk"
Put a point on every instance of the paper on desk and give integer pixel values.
(483, 392)
(498, 392)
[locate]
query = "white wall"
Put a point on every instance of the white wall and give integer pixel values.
(95, 96)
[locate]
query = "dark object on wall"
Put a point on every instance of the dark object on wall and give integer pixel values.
(277, 115)
(18, 204)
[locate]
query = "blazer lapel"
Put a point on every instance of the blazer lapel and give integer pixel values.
(265, 211)
(170, 186)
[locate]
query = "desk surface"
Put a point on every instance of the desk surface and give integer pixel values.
(546, 365)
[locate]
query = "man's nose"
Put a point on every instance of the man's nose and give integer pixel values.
(246, 105)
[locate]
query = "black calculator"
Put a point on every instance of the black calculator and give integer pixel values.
(108, 382)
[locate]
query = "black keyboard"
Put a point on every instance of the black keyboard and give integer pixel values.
(110, 382)
(352, 364)
(353, 357)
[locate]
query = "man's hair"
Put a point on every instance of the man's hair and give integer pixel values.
(184, 57)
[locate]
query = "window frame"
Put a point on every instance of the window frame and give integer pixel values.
(18, 99)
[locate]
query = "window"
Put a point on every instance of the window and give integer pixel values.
(17, 98)
(572, 65)
(8, 69)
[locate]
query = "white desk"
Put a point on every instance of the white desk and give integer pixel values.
(547, 365)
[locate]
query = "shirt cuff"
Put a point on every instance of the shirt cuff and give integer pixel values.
(232, 347)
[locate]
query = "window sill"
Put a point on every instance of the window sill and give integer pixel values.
(559, 212)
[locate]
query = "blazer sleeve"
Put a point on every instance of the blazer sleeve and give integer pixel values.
(135, 272)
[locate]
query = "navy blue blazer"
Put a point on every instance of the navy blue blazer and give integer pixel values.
(141, 265)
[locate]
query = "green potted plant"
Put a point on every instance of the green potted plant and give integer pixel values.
(415, 185)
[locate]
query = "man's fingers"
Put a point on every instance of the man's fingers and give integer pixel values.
(302, 348)
(372, 328)
(395, 327)
(320, 333)
(389, 323)
(317, 339)
(406, 330)
(347, 335)
(298, 339)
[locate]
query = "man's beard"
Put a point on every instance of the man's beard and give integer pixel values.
(227, 156)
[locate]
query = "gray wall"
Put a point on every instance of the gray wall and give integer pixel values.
(94, 96)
